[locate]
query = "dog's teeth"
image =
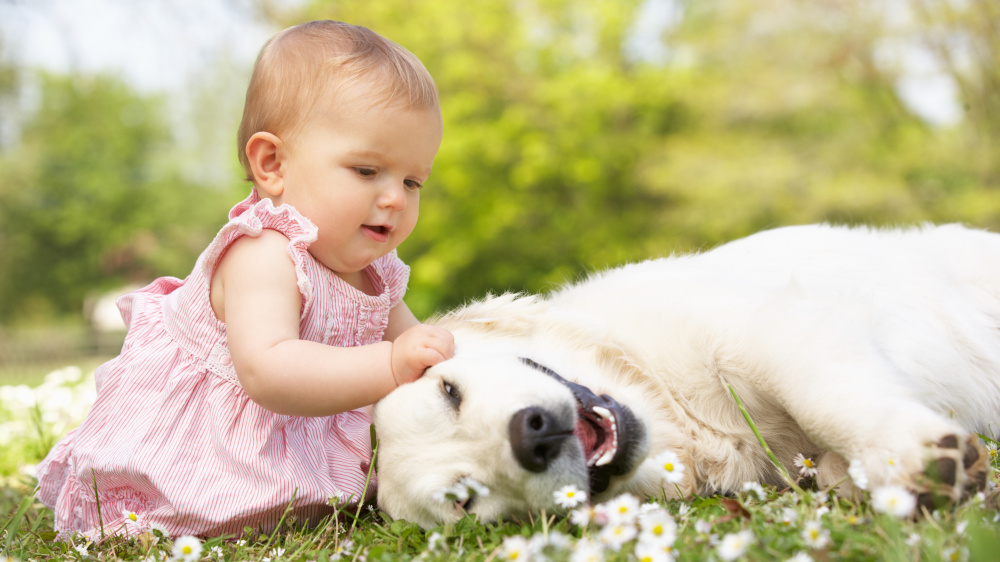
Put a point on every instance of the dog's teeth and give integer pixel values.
(603, 412)
(606, 458)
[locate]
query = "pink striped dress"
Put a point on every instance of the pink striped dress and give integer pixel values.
(172, 436)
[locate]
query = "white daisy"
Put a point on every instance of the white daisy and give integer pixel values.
(670, 463)
(81, 549)
(806, 465)
(187, 548)
(474, 487)
(658, 527)
(858, 475)
(515, 548)
(569, 496)
(754, 488)
(734, 545)
(788, 516)
(650, 552)
(893, 462)
(815, 535)
(587, 550)
(955, 554)
(582, 516)
(913, 539)
(894, 500)
(801, 557)
(991, 448)
(277, 552)
(618, 533)
(624, 508)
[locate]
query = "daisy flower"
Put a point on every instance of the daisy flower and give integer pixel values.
(991, 448)
(647, 552)
(618, 533)
(801, 557)
(474, 487)
(81, 549)
(815, 535)
(754, 488)
(343, 549)
(187, 548)
(955, 554)
(788, 516)
(894, 500)
(583, 516)
(734, 545)
(913, 539)
(858, 474)
(623, 508)
(515, 548)
(806, 465)
(658, 527)
(892, 461)
(569, 496)
(671, 465)
(586, 550)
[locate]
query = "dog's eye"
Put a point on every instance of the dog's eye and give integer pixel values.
(452, 391)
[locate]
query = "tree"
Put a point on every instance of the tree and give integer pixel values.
(89, 203)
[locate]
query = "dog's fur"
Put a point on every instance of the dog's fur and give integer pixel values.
(842, 343)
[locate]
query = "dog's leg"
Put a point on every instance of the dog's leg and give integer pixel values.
(850, 399)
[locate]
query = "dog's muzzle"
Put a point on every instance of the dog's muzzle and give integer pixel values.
(608, 433)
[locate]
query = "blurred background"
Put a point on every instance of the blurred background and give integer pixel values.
(579, 134)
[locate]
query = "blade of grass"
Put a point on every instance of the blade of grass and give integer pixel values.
(14, 524)
(760, 438)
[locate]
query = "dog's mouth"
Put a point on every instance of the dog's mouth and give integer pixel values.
(608, 432)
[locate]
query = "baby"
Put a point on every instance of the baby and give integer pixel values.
(243, 388)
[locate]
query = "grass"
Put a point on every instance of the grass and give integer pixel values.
(776, 524)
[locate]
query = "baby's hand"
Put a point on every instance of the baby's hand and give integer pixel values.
(418, 348)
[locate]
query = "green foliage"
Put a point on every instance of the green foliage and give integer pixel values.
(564, 150)
(89, 201)
(564, 154)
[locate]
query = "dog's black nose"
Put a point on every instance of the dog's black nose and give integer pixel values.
(536, 437)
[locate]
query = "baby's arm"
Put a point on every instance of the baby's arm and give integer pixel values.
(260, 305)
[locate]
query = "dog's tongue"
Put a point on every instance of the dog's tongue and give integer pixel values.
(597, 432)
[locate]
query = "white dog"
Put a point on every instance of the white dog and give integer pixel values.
(881, 347)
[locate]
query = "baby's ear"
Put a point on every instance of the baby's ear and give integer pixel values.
(265, 152)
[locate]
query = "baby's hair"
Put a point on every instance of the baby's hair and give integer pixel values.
(305, 64)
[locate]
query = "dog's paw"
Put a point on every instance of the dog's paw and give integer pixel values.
(956, 468)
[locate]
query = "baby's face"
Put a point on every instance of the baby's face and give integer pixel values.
(355, 171)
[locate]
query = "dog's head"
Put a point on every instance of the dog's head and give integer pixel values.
(496, 434)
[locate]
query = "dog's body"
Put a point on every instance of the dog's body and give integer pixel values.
(843, 344)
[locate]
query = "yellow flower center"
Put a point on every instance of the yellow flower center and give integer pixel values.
(132, 516)
(808, 463)
(658, 530)
(186, 549)
(669, 467)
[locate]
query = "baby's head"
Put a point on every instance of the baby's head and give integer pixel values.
(305, 67)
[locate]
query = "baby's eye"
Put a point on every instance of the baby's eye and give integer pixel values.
(365, 172)
(412, 184)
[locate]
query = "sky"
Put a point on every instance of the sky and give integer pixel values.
(158, 44)
(154, 43)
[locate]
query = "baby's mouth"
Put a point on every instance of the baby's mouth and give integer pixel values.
(378, 231)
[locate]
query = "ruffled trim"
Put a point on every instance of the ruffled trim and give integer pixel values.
(395, 275)
(249, 218)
